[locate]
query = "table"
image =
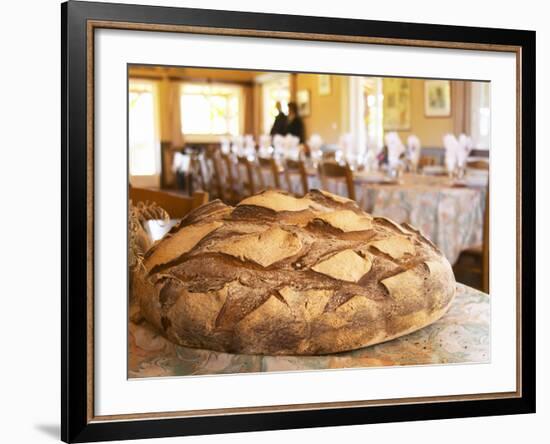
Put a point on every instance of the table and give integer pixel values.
(461, 335)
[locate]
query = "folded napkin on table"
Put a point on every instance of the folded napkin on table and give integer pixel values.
(279, 144)
(346, 144)
(451, 145)
(249, 146)
(291, 146)
(315, 144)
(237, 145)
(395, 148)
(465, 145)
(414, 149)
(265, 149)
(225, 144)
(181, 162)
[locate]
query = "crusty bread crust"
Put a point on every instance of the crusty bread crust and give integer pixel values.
(284, 275)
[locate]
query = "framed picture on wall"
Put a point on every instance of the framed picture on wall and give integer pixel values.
(324, 85)
(306, 298)
(302, 100)
(397, 104)
(437, 98)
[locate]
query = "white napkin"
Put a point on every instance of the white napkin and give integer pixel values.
(371, 159)
(265, 149)
(237, 145)
(265, 141)
(225, 145)
(291, 148)
(315, 142)
(414, 149)
(249, 146)
(465, 145)
(395, 148)
(181, 162)
(279, 144)
(451, 151)
(347, 147)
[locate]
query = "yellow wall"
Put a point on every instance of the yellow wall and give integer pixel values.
(430, 130)
(328, 116)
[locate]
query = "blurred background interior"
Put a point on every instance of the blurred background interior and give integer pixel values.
(413, 150)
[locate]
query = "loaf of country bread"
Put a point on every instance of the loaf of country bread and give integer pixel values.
(283, 275)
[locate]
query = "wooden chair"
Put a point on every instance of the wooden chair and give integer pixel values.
(197, 174)
(474, 262)
(247, 182)
(328, 156)
(296, 167)
(427, 161)
(213, 164)
(230, 192)
(176, 205)
(269, 164)
(332, 170)
(478, 165)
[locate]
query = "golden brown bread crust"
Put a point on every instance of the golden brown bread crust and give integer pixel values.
(282, 275)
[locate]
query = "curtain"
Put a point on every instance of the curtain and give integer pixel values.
(172, 138)
(460, 106)
(258, 110)
(176, 135)
(248, 110)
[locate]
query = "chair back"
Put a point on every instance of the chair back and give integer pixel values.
(427, 161)
(198, 174)
(329, 156)
(176, 205)
(215, 172)
(247, 182)
(333, 170)
(270, 164)
(229, 192)
(296, 167)
(478, 165)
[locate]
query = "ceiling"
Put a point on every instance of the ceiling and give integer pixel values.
(203, 74)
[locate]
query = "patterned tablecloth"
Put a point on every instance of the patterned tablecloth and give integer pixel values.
(462, 335)
(450, 215)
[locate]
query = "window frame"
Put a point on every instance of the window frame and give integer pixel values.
(154, 90)
(207, 137)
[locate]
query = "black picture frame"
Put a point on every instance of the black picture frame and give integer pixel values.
(77, 326)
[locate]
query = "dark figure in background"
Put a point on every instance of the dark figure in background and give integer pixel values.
(295, 125)
(279, 126)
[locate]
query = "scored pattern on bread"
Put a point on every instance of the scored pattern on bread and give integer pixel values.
(283, 275)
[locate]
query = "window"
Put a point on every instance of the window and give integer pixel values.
(143, 139)
(210, 109)
(365, 114)
(481, 115)
(374, 109)
(275, 88)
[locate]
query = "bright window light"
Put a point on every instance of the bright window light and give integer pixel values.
(143, 139)
(210, 109)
